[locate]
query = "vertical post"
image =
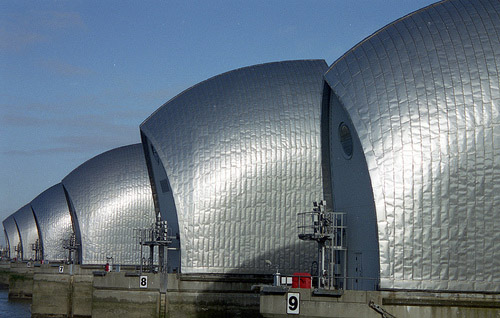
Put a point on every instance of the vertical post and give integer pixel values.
(344, 270)
(141, 240)
(161, 253)
(151, 255)
(319, 265)
(162, 269)
(331, 268)
(323, 263)
(163, 239)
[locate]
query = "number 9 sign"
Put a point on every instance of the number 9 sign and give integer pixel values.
(293, 303)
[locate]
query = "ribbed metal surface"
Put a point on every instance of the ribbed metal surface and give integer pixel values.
(111, 196)
(242, 153)
(28, 230)
(423, 94)
(54, 222)
(9, 225)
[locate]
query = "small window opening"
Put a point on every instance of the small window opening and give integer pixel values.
(346, 140)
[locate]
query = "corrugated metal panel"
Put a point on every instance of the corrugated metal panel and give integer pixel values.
(28, 230)
(242, 153)
(10, 227)
(111, 196)
(423, 94)
(54, 221)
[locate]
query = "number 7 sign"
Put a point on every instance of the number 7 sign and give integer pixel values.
(293, 303)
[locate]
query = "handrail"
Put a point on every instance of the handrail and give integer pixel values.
(350, 281)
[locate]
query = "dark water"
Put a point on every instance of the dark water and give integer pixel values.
(13, 308)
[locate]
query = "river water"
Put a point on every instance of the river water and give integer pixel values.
(13, 308)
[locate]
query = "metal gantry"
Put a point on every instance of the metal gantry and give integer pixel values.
(19, 251)
(37, 248)
(4, 253)
(72, 246)
(328, 229)
(156, 235)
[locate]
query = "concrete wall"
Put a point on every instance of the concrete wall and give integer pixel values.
(77, 291)
(21, 281)
(81, 303)
(211, 296)
(120, 295)
(52, 295)
(62, 293)
(399, 304)
(4, 274)
(89, 292)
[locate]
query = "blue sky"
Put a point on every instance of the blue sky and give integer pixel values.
(78, 77)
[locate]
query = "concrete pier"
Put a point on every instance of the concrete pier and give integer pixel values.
(122, 295)
(52, 295)
(212, 296)
(21, 280)
(60, 291)
(351, 303)
(4, 274)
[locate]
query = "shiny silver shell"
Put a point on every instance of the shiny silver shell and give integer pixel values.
(423, 96)
(12, 235)
(28, 231)
(54, 222)
(110, 196)
(242, 153)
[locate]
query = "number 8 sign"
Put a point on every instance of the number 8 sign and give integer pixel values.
(293, 303)
(143, 282)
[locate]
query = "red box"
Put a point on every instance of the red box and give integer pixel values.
(301, 280)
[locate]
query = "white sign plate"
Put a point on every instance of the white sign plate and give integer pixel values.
(143, 282)
(293, 303)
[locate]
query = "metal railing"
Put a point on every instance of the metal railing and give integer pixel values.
(308, 281)
(329, 230)
(157, 235)
(297, 281)
(318, 225)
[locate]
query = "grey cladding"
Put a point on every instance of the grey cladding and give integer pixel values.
(242, 154)
(423, 94)
(111, 196)
(54, 221)
(13, 239)
(28, 231)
